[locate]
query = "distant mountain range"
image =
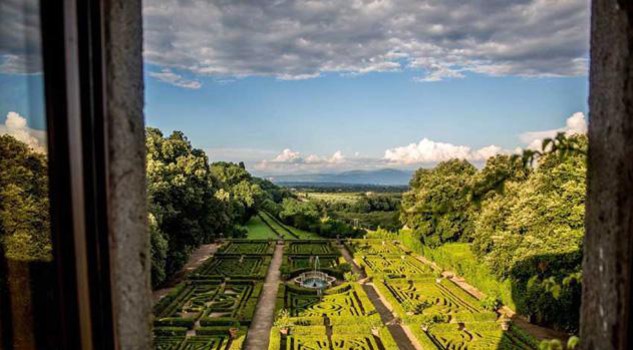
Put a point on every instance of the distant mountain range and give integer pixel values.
(382, 177)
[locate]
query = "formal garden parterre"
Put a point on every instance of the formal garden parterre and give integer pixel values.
(341, 317)
(439, 313)
(214, 306)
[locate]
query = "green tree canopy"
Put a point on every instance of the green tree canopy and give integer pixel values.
(437, 206)
(24, 206)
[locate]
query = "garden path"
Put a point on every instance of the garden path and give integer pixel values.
(259, 333)
(402, 335)
(196, 259)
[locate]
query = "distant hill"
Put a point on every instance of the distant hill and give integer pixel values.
(382, 177)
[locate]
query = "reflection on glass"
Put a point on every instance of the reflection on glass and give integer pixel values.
(27, 277)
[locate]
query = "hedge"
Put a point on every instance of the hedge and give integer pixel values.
(175, 322)
(170, 331)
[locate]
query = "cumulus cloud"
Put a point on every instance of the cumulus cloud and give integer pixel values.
(575, 124)
(20, 42)
(302, 39)
(293, 161)
(17, 126)
(168, 76)
(428, 151)
(288, 156)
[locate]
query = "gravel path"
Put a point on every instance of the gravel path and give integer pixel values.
(196, 259)
(259, 332)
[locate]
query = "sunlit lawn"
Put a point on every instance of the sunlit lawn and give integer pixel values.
(257, 229)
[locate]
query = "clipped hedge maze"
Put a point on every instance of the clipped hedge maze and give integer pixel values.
(241, 247)
(437, 298)
(310, 247)
(345, 300)
(312, 334)
(372, 247)
(296, 262)
(240, 266)
(201, 299)
(395, 267)
(214, 306)
(413, 291)
(205, 342)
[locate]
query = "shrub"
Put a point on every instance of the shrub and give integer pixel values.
(491, 303)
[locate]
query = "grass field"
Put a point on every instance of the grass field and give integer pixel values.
(257, 229)
(301, 234)
(331, 197)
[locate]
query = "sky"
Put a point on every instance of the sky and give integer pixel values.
(327, 86)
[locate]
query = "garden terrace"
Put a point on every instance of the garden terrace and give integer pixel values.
(248, 247)
(235, 266)
(310, 248)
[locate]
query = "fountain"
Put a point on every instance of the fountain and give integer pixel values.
(315, 279)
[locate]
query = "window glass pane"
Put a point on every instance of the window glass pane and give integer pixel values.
(27, 276)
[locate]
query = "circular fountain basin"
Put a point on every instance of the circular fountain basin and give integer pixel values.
(314, 280)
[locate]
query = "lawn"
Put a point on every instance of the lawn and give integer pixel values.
(286, 230)
(257, 229)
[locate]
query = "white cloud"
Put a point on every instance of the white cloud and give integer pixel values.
(289, 161)
(17, 126)
(428, 151)
(288, 156)
(168, 76)
(246, 155)
(575, 124)
(337, 158)
(302, 39)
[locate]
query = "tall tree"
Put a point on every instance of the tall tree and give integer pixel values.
(437, 206)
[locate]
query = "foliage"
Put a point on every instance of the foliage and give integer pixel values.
(524, 217)
(192, 202)
(306, 215)
(491, 303)
(438, 207)
(350, 276)
(283, 320)
(182, 196)
(24, 206)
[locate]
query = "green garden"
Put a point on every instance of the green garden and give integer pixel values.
(214, 306)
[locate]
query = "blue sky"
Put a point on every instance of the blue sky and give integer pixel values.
(301, 86)
(256, 118)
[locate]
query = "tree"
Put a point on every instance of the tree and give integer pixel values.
(24, 206)
(182, 198)
(437, 206)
